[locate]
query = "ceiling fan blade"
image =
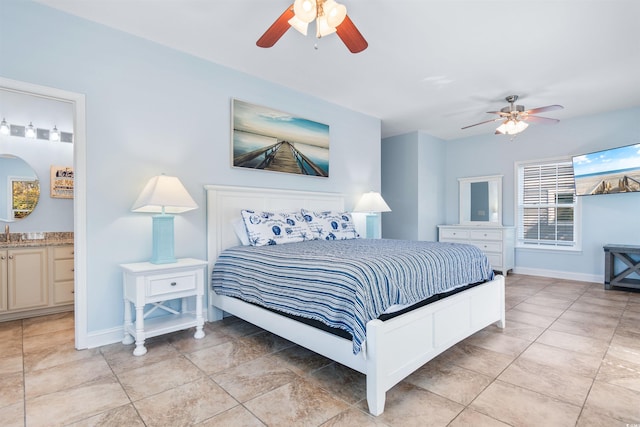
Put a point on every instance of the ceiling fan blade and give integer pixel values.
(543, 109)
(350, 36)
(481, 123)
(277, 29)
(537, 119)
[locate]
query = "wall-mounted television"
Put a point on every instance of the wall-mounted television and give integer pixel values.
(616, 170)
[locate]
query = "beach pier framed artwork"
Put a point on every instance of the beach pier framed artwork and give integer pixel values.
(266, 139)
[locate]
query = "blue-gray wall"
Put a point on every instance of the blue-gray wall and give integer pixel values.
(413, 186)
(152, 110)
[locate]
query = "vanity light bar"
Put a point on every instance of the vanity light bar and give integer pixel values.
(40, 133)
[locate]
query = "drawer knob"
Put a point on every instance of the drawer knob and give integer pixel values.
(173, 283)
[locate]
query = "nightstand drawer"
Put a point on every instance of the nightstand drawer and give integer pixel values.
(486, 235)
(165, 284)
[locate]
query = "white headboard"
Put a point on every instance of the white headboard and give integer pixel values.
(224, 204)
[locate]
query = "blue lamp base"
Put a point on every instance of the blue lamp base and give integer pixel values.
(162, 240)
(372, 226)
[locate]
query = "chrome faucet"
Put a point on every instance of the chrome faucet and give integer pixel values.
(7, 236)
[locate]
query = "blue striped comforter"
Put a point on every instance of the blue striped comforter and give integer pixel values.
(346, 283)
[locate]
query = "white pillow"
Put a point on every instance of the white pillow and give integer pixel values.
(275, 228)
(241, 231)
(330, 225)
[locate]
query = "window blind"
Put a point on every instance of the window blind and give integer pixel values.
(546, 205)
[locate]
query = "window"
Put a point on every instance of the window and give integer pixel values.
(548, 210)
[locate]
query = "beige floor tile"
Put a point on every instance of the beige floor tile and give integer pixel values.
(48, 324)
(122, 416)
(344, 383)
(301, 360)
(604, 310)
(75, 404)
(569, 361)
(184, 341)
(256, 377)
(11, 364)
(353, 417)
(67, 375)
(555, 301)
(577, 343)
(515, 315)
(518, 330)
(48, 357)
(185, 405)
(411, 406)
(11, 389)
(11, 347)
(120, 357)
(589, 330)
(237, 416)
(592, 418)
(603, 302)
(455, 383)
(621, 372)
(477, 359)
(12, 415)
(227, 355)
(37, 342)
(540, 310)
(471, 418)
(291, 405)
(158, 377)
(614, 402)
(498, 342)
(550, 381)
(520, 407)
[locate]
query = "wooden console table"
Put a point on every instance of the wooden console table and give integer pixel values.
(621, 279)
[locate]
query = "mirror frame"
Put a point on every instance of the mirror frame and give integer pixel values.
(9, 215)
(494, 183)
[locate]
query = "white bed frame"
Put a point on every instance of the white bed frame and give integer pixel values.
(394, 348)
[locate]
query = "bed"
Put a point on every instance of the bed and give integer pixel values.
(387, 356)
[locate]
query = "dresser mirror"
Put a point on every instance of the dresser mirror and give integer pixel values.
(481, 200)
(19, 188)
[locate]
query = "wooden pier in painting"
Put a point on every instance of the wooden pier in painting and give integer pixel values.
(280, 157)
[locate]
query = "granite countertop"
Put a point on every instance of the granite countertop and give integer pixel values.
(29, 240)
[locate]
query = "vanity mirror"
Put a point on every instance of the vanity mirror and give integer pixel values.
(481, 200)
(19, 188)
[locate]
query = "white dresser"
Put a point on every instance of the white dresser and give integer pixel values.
(497, 242)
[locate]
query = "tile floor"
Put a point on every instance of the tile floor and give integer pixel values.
(570, 356)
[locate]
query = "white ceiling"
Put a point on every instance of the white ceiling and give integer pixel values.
(431, 65)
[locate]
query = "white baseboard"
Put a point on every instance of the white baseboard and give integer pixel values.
(105, 337)
(556, 274)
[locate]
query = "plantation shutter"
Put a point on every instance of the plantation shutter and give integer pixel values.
(546, 205)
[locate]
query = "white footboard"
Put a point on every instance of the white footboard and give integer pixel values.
(398, 347)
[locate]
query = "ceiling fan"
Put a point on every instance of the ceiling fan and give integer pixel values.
(330, 16)
(515, 117)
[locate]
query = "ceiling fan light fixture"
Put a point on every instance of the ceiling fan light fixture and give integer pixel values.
(335, 12)
(512, 127)
(305, 10)
(299, 25)
(323, 28)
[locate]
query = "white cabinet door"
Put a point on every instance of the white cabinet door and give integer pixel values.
(27, 278)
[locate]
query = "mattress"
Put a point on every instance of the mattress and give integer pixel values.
(344, 284)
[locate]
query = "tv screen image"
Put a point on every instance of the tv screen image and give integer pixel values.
(616, 170)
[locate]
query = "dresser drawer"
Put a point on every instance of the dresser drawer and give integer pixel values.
(486, 235)
(63, 293)
(164, 284)
(496, 261)
(448, 233)
(488, 246)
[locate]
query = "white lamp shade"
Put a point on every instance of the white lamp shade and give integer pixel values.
(164, 194)
(512, 127)
(323, 28)
(372, 202)
(299, 24)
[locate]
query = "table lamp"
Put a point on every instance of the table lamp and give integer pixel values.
(164, 195)
(372, 203)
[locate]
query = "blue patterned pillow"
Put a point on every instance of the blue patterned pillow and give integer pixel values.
(330, 225)
(275, 228)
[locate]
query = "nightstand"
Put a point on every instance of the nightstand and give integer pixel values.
(146, 283)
